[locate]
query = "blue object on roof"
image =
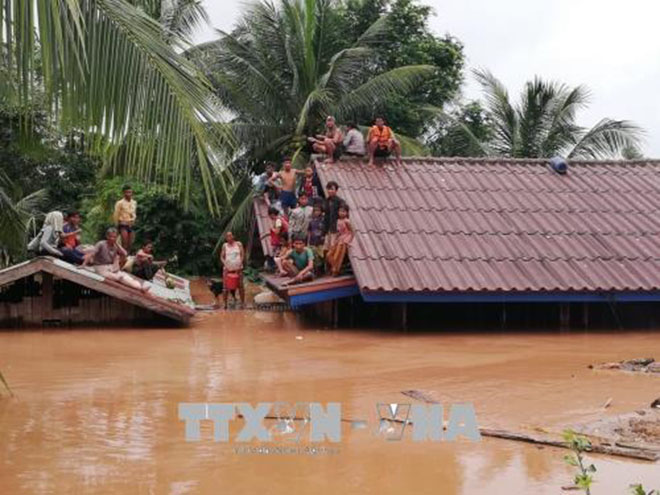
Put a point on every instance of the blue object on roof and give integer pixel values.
(559, 165)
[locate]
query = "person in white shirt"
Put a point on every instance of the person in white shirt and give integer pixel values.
(354, 141)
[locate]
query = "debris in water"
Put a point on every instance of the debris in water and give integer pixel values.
(655, 404)
(642, 365)
(420, 395)
(608, 403)
(299, 337)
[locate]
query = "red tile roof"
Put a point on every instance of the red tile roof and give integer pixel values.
(436, 225)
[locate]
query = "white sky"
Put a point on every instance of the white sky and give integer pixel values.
(613, 47)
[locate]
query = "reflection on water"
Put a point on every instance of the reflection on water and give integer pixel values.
(96, 411)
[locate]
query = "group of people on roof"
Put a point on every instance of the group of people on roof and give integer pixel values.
(110, 257)
(310, 229)
(380, 141)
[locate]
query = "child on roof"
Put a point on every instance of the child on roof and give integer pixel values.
(316, 237)
(299, 217)
(339, 247)
(299, 262)
(311, 186)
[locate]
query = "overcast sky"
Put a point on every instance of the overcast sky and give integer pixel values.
(613, 47)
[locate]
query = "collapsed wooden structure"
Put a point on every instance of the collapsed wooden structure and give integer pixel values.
(46, 291)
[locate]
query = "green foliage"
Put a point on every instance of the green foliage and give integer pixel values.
(288, 64)
(107, 69)
(579, 444)
(462, 132)
(543, 123)
(639, 490)
(407, 40)
(185, 237)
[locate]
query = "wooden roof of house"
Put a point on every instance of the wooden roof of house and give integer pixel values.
(175, 304)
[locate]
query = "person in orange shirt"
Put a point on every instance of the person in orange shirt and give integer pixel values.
(381, 142)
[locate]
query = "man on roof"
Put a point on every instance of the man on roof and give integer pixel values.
(331, 142)
(382, 142)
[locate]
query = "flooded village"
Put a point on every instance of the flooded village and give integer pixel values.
(317, 247)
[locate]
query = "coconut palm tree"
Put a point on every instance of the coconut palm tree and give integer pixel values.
(284, 68)
(543, 123)
(113, 73)
(17, 213)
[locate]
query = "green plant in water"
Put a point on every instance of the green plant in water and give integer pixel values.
(4, 382)
(639, 490)
(579, 444)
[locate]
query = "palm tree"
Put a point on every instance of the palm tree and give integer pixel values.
(113, 73)
(543, 123)
(284, 68)
(17, 213)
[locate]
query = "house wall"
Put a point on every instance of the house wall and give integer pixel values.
(42, 300)
(354, 312)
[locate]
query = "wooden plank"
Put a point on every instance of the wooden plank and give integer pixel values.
(22, 270)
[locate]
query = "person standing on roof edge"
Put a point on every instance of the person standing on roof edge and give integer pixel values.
(354, 141)
(331, 207)
(288, 177)
(124, 217)
(382, 142)
(330, 143)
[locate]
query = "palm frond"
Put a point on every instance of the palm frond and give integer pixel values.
(505, 119)
(608, 138)
(109, 72)
(374, 92)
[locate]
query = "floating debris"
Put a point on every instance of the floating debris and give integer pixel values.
(638, 365)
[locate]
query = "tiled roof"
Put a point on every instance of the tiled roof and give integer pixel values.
(436, 225)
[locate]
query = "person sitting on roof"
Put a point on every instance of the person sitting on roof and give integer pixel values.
(279, 226)
(354, 141)
(382, 141)
(339, 248)
(267, 188)
(299, 263)
(282, 254)
(70, 239)
(48, 239)
(104, 258)
(330, 143)
(144, 266)
(311, 186)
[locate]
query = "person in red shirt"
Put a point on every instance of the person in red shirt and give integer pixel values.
(381, 142)
(70, 239)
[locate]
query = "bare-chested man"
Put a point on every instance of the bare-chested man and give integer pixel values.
(331, 142)
(288, 176)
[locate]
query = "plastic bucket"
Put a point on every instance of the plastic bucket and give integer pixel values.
(232, 280)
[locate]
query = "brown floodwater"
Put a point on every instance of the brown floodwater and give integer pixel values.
(96, 411)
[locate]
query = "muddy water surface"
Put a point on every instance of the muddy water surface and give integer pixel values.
(96, 411)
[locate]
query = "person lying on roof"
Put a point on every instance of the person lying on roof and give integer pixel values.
(104, 258)
(382, 142)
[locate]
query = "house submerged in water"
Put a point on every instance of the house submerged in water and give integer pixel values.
(46, 291)
(447, 240)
